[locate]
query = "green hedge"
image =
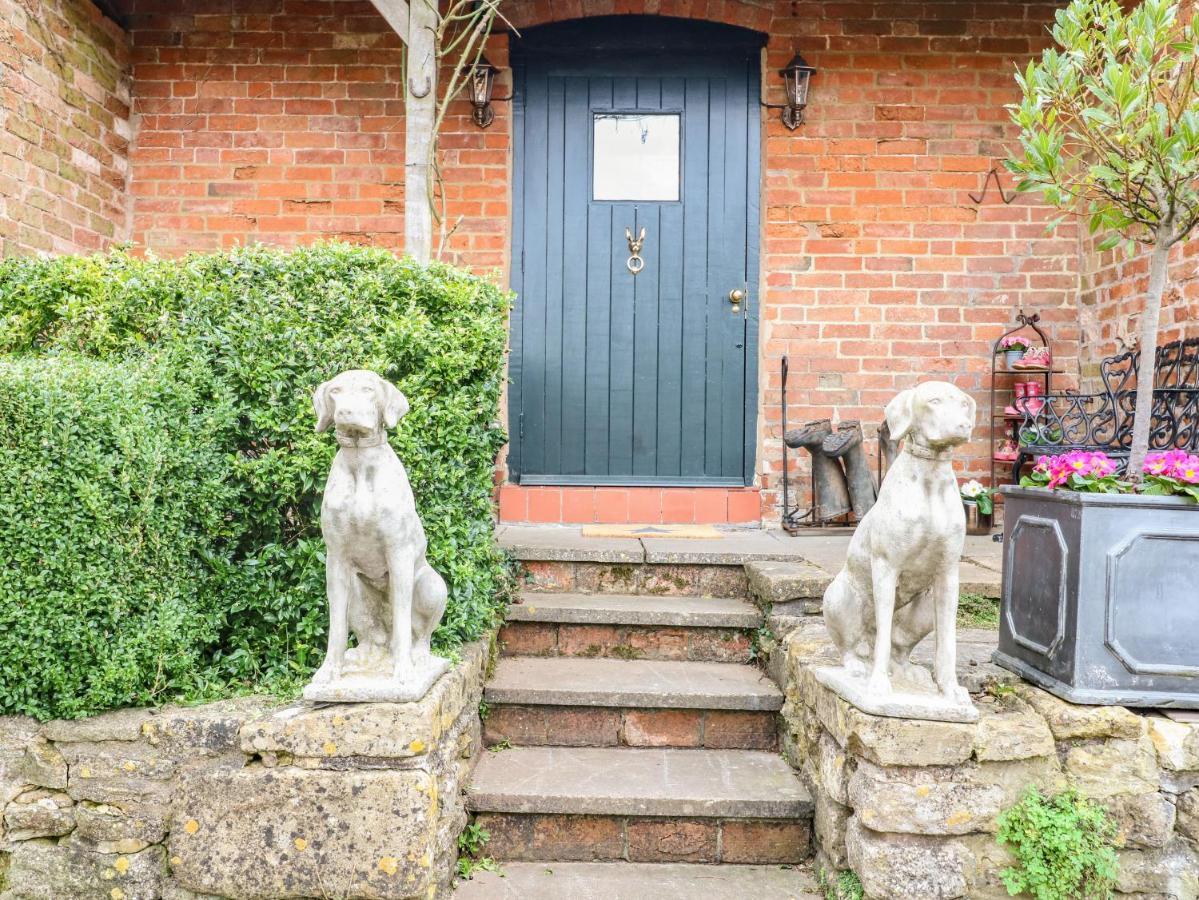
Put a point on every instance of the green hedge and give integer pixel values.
(236, 342)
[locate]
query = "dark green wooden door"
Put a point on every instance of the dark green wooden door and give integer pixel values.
(646, 378)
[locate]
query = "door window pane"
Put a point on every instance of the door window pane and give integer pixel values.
(636, 156)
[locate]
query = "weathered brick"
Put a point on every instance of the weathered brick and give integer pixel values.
(673, 840)
(553, 837)
(764, 842)
(662, 728)
(529, 639)
(736, 730)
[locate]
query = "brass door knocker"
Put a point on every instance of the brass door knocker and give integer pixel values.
(635, 262)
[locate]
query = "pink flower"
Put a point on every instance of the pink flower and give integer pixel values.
(1176, 464)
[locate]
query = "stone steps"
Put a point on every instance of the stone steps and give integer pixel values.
(631, 626)
(636, 881)
(573, 726)
(641, 805)
(631, 703)
(642, 683)
(634, 609)
(631, 740)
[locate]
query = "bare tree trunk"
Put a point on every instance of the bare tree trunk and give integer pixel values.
(1159, 264)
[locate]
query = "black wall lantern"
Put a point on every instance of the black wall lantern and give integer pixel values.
(796, 76)
(480, 84)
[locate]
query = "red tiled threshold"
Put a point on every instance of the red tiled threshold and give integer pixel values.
(620, 505)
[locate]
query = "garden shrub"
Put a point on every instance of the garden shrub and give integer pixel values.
(113, 484)
(1062, 845)
(256, 330)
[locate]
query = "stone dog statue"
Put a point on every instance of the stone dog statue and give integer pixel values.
(379, 584)
(900, 580)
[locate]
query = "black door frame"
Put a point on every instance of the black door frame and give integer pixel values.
(629, 46)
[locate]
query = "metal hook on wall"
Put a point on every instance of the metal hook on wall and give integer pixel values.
(994, 173)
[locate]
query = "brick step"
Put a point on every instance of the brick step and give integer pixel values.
(621, 684)
(630, 626)
(634, 609)
(636, 881)
(573, 726)
(720, 579)
(640, 805)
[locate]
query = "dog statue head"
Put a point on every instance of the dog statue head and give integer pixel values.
(359, 404)
(933, 414)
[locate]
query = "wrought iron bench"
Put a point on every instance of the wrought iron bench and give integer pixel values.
(1103, 420)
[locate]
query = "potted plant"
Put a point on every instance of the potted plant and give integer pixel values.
(980, 505)
(1099, 569)
(1098, 579)
(1013, 347)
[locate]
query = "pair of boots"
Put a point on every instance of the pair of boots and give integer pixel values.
(1027, 400)
(839, 468)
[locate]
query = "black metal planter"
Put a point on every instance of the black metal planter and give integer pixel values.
(1101, 596)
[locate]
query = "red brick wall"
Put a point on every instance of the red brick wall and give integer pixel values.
(283, 124)
(64, 127)
(1112, 297)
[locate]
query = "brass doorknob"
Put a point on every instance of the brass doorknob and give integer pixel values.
(736, 296)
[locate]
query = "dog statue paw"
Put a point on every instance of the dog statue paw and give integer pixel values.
(902, 568)
(378, 576)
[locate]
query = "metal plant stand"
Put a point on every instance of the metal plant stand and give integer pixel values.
(1002, 425)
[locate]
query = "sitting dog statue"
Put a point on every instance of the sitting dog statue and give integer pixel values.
(900, 580)
(379, 584)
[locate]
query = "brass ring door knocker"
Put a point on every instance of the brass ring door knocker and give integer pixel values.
(635, 262)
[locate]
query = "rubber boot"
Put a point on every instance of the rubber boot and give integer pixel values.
(888, 449)
(1033, 393)
(831, 489)
(846, 445)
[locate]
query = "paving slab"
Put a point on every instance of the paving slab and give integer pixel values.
(734, 548)
(636, 782)
(631, 683)
(636, 609)
(557, 543)
(783, 581)
(637, 881)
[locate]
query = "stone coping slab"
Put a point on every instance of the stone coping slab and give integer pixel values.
(637, 881)
(379, 730)
(635, 609)
(636, 782)
(641, 683)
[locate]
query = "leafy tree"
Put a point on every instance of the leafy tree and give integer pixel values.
(1109, 126)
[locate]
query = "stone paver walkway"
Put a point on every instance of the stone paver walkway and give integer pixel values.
(638, 881)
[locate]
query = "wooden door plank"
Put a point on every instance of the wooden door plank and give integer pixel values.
(554, 215)
(718, 277)
(534, 337)
(600, 227)
(694, 323)
(732, 384)
(577, 189)
(671, 305)
(620, 355)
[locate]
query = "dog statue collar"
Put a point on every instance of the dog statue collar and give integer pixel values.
(373, 440)
(921, 452)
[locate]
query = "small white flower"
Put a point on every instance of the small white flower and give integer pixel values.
(972, 488)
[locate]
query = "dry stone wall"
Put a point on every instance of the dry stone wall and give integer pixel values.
(243, 798)
(911, 806)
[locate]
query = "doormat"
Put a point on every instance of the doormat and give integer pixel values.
(696, 532)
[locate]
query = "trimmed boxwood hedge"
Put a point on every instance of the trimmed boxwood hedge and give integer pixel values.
(159, 531)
